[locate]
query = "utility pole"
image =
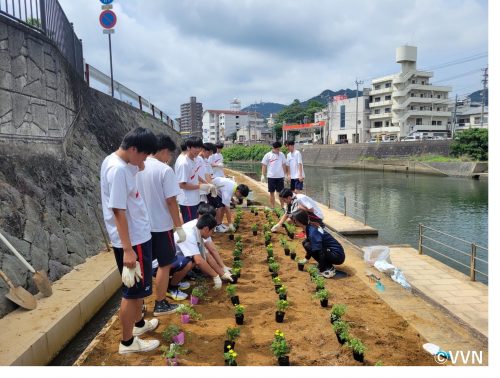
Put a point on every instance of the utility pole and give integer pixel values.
(485, 84)
(357, 84)
(454, 118)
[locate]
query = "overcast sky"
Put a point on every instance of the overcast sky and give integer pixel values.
(278, 50)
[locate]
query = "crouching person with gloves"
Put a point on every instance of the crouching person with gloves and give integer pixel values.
(319, 244)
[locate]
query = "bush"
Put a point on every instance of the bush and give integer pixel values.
(254, 153)
(472, 142)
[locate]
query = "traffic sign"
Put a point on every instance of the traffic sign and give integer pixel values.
(106, 2)
(107, 19)
(108, 31)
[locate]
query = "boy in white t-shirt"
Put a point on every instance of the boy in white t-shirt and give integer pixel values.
(158, 187)
(217, 161)
(129, 230)
(295, 167)
(226, 189)
(274, 162)
(206, 172)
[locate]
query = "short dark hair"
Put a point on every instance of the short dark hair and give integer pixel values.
(208, 147)
(285, 193)
(243, 189)
(165, 143)
(219, 145)
(183, 146)
(194, 142)
(301, 216)
(206, 220)
(142, 139)
(277, 145)
(290, 143)
(206, 208)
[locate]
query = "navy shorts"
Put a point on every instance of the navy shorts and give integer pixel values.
(216, 202)
(143, 288)
(275, 184)
(189, 212)
(163, 247)
(296, 184)
(179, 263)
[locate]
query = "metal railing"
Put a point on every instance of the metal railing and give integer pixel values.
(452, 249)
(47, 17)
(93, 76)
(348, 206)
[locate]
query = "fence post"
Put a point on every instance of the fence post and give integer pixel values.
(329, 195)
(140, 102)
(161, 116)
(365, 210)
(345, 206)
(153, 109)
(43, 16)
(87, 73)
(473, 262)
(420, 238)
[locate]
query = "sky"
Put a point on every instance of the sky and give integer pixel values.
(278, 51)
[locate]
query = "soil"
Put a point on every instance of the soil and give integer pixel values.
(388, 337)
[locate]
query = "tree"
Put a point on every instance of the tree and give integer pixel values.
(472, 142)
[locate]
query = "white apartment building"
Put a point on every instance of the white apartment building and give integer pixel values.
(218, 125)
(468, 115)
(406, 103)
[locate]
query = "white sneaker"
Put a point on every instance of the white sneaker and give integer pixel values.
(184, 285)
(139, 345)
(149, 325)
(177, 295)
(330, 273)
(224, 227)
(220, 229)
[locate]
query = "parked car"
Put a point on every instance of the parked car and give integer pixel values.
(411, 138)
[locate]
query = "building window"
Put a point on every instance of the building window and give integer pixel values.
(412, 94)
(413, 81)
(439, 122)
(438, 109)
(433, 123)
(377, 87)
(387, 85)
(387, 123)
(418, 121)
(377, 111)
(377, 99)
(439, 96)
(423, 82)
(387, 110)
(237, 123)
(422, 108)
(421, 95)
(411, 107)
(378, 124)
(477, 120)
(342, 116)
(367, 104)
(387, 97)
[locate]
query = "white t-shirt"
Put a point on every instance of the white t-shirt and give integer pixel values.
(189, 247)
(186, 170)
(205, 169)
(217, 158)
(225, 189)
(293, 160)
(307, 202)
(274, 163)
(156, 183)
(119, 191)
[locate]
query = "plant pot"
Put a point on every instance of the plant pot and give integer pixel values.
(235, 300)
(300, 266)
(234, 363)
(276, 287)
(323, 302)
(254, 233)
(358, 357)
(282, 297)
(179, 338)
(318, 288)
(172, 361)
(293, 255)
(185, 318)
(283, 361)
(256, 213)
(270, 270)
(291, 236)
(280, 316)
(287, 252)
(231, 237)
(239, 319)
(333, 319)
(267, 242)
(193, 299)
(236, 258)
(268, 258)
(339, 339)
(235, 278)
(226, 343)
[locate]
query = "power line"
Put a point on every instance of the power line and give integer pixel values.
(476, 70)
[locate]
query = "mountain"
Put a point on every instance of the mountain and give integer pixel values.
(264, 108)
(327, 94)
(477, 97)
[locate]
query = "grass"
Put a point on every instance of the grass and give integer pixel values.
(429, 158)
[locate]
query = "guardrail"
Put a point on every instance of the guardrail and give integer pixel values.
(348, 206)
(468, 261)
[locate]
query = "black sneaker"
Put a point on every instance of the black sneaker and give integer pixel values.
(163, 308)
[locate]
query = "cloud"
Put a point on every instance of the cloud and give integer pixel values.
(274, 50)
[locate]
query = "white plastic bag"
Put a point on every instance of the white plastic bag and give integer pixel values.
(384, 267)
(376, 253)
(399, 277)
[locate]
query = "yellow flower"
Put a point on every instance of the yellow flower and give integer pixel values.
(229, 347)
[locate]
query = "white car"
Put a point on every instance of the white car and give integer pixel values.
(410, 138)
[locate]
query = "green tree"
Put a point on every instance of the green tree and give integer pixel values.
(472, 143)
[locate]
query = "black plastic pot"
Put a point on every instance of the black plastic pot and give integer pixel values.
(333, 318)
(318, 288)
(267, 242)
(291, 236)
(358, 357)
(324, 303)
(236, 258)
(235, 278)
(300, 266)
(226, 343)
(282, 297)
(280, 316)
(276, 287)
(231, 237)
(235, 300)
(234, 363)
(239, 319)
(254, 233)
(339, 339)
(283, 361)
(256, 213)
(287, 252)
(293, 255)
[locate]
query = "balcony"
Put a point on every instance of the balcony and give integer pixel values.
(375, 92)
(375, 104)
(398, 79)
(420, 87)
(420, 100)
(380, 116)
(428, 127)
(384, 129)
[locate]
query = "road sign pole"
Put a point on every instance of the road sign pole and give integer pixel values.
(111, 66)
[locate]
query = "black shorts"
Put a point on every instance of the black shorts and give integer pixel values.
(275, 184)
(216, 202)
(163, 247)
(189, 212)
(143, 288)
(296, 184)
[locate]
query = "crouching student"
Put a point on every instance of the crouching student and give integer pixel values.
(227, 190)
(319, 244)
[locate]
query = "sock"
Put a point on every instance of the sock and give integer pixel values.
(140, 323)
(128, 342)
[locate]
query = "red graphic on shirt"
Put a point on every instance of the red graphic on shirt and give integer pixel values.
(195, 172)
(137, 194)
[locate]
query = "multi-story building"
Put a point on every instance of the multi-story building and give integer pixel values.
(468, 115)
(191, 119)
(407, 103)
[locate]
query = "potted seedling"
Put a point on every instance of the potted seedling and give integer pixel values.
(292, 247)
(338, 311)
(238, 238)
(280, 348)
(197, 294)
(358, 349)
(235, 274)
(187, 313)
(239, 312)
(231, 292)
(341, 329)
(313, 272)
(274, 268)
(269, 250)
(300, 263)
(290, 230)
(173, 334)
(286, 248)
(322, 295)
(230, 357)
(267, 237)
(231, 334)
(277, 283)
(319, 282)
(171, 353)
(282, 290)
(237, 254)
(252, 209)
(255, 228)
(281, 306)
(231, 234)
(238, 244)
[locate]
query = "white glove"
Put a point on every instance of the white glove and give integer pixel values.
(227, 276)
(275, 227)
(128, 276)
(181, 234)
(220, 165)
(262, 178)
(137, 272)
(213, 191)
(227, 270)
(231, 227)
(206, 187)
(217, 283)
(303, 261)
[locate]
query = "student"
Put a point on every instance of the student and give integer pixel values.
(295, 167)
(206, 172)
(158, 187)
(226, 189)
(217, 161)
(127, 223)
(187, 169)
(295, 202)
(274, 162)
(319, 244)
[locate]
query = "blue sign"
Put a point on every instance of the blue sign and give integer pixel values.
(106, 2)
(107, 19)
